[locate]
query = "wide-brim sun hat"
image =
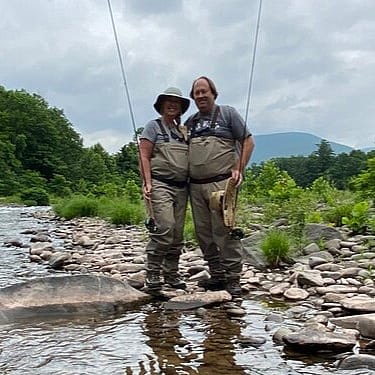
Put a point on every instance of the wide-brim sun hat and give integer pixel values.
(174, 92)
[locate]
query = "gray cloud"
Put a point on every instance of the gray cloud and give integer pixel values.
(315, 67)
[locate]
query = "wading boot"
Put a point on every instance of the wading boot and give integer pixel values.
(234, 287)
(153, 282)
(174, 282)
(213, 284)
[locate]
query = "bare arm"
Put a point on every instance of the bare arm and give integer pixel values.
(247, 149)
(146, 148)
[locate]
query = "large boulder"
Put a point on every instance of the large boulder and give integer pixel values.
(67, 296)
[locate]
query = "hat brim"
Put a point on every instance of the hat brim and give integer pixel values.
(185, 102)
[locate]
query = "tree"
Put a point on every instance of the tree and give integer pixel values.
(322, 159)
(127, 162)
(365, 181)
(36, 141)
(346, 166)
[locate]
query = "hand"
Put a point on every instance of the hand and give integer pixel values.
(236, 177)
(147, 191)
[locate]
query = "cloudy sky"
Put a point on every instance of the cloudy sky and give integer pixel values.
(314, 69)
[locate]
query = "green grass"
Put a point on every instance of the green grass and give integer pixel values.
(276, 247)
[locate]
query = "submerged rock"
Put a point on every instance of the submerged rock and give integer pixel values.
(66, 296)
(198, 299)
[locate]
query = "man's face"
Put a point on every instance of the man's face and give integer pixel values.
(203, 96)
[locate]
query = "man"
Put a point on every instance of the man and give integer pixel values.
(219, 149)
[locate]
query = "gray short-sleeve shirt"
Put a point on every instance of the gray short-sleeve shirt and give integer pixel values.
(229, 124)
(153, 133)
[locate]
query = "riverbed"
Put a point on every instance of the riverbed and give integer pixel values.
(149, 340)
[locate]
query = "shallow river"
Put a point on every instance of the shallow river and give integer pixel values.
(147, 341)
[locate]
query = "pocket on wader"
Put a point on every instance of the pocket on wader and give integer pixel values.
(170, 161)
(211, 156)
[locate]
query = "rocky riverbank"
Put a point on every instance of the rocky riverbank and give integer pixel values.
(329, 289)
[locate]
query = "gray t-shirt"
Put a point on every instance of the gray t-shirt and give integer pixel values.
(153, 133)
(228, 124)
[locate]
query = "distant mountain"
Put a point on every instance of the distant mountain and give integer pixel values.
(367, 149)
(268, 146)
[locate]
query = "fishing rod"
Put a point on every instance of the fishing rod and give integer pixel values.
(237, 233)
(150, 221)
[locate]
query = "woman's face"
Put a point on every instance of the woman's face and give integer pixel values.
(171, 107)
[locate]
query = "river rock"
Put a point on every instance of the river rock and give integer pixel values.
(364, 323)
(360, 303)
(66, 296)
(296, 294)
(316, 232)
(309, 339)
(358, 361)
(198, 299)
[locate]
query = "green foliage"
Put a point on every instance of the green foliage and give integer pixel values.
(118, 210)
(127, 162)
(322, 158)
(364, 183)
(323, 189)
(59, 186)
(124, 211)
(77, 206)
(189, 232)
(276, 247)
(35, 197)
(336, 213)
(338, 169)
(268, 177)
(43, 139)
(284, 188)
(345, 167)
(359, 218)
(133, 190)
(314, 217)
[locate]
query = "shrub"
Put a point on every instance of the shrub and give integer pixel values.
(276, 247)
(335, 214)
(359, 218)
(127, 213)
(323, 189)
(77, 206)
(35, 197)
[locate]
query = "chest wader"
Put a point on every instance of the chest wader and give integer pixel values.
(211, 160)
(169, 172)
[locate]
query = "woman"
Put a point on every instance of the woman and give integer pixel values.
(164, 169)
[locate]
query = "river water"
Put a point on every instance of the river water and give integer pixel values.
(147, 341)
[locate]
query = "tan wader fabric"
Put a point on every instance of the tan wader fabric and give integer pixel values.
(211, 156)
(222, 253)
(170, 161)
(169, 206)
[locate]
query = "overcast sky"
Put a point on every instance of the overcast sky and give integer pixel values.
(314, 69)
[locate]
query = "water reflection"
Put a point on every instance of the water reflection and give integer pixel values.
(147, 341)
(184, 343)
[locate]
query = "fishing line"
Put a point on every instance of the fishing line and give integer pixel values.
(237, 233)
(122, 67)
(251, 76)
(150, 222)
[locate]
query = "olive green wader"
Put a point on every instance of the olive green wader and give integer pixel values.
(169, 168)
(210, 162)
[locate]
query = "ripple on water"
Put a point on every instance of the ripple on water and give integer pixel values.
(148, 341)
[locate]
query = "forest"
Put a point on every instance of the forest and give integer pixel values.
(43, 162)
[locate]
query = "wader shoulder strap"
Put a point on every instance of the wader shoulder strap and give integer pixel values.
(173, 134)
(161, 126)
(214, 117)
